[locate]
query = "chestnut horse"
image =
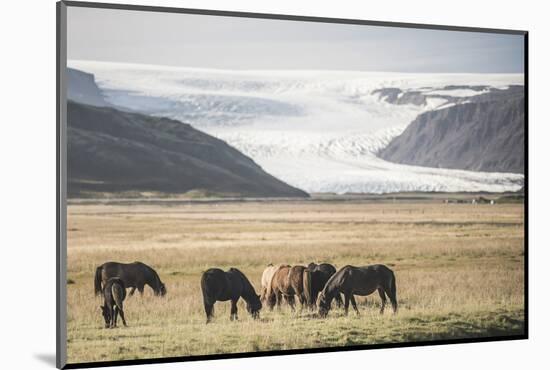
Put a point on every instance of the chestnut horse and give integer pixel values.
(288, 282)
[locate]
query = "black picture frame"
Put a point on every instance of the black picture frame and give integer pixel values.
(61, 175)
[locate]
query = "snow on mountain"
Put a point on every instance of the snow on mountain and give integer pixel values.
(316, 130)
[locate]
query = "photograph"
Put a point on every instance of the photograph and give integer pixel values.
(246, 184)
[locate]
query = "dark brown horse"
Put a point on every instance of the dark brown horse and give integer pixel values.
(134, 275)
(350, 281)
(114, 293)
(218, 285)
(320, 274)
(288, 282)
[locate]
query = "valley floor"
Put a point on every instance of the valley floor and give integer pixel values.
(459, 270)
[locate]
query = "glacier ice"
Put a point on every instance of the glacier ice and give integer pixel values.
(316, 130)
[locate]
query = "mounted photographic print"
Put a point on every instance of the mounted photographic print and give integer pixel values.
(238, 184)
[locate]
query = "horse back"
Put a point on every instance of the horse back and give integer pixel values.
(366, 279)
(280, 279)
(296, 273)
(267, 275)
(327, 268)
(376, 272)
(216, 285)
(340, 280)
(130, 273)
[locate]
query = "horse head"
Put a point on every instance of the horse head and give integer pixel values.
(324, 305)
(254, 305)
(161, 291)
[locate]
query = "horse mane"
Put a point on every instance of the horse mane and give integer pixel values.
(328, 290)
(153, 272)
(247, 284)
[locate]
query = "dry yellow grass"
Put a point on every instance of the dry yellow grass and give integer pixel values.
(459, 271)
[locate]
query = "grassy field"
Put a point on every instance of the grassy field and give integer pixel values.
(459, 271)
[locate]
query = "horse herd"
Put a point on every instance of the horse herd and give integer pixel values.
(315, 286)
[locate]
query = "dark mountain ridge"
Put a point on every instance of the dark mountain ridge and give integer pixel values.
(110, 151)
(484, 133)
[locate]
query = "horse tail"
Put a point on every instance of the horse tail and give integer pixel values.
(118, 291)
(205, 288)
(306, 281)
(393, 292)
(97, 280)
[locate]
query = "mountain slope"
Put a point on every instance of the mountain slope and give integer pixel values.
(114, 151)
(484, 134)
(81, 88)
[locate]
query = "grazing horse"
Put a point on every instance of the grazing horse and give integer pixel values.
(287, 282)
(134, 275)
(350, 280)
(319, 277)
(218, 285)
(114, 293)
(267, 275)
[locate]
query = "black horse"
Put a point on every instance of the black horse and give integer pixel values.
(134, 275)
(217, 285)
(320, 274)
(350, 280)
(114, 293)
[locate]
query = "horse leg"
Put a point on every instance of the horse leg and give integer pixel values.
(302, 301)
(112, 315)
(346, 303)
(122, 316)
(233, 310)
(132, 291)
(291, 302)
(262, 295)
(313, 305)
(140, 289)
(383, 298)
(393, 300)
(338, 300)
(354, 305)
(208, 308)
(279, 298)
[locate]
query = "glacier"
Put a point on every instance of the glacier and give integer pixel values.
(316, 130)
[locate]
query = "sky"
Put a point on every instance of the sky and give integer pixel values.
(243, 43)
